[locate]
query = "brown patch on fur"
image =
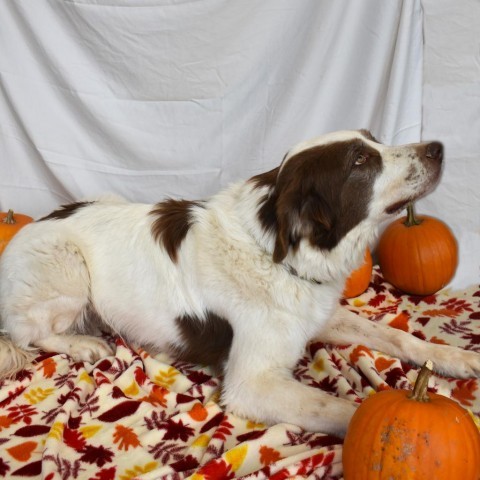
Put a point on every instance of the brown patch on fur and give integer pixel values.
(205, 341)
(267, 212)
(173, 220)
(65, 211)
(368, 134)
(319, 194)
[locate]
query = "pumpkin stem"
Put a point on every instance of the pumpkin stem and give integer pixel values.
(419, 393)
(411, 218)
(9, 219)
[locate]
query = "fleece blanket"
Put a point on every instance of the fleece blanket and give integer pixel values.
(143, 417)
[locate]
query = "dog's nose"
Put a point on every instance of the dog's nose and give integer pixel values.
(434, 151)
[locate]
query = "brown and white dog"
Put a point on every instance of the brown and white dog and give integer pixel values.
(244, 279)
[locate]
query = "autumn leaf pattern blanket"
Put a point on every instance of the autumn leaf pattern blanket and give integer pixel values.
(138, 416)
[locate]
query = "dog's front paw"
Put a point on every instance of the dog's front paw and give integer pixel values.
(89, 349)
(456, 362)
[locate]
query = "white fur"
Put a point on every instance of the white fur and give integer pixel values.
(105, 253)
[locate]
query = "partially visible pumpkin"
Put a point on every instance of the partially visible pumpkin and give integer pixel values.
(10, 224)
(359, 279)
(400, 435)
(418, 254)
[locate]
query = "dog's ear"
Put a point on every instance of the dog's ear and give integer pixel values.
(317, 218)
(302, 216)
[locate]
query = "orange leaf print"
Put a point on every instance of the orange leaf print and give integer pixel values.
(157, 396)
(441, 312)
(5, 422)
(464, 391)
(269, 455)
(382, 363)
(49, 367)
(125, 437)
(198, 412)
(22, 452)
(438, 340)
(400, 321)
(358, 352)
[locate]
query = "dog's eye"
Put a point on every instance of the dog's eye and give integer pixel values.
(361, 159)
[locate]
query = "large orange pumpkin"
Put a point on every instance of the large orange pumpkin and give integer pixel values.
(359, 279)
(10, 224)
(418, 254)
(404, 435)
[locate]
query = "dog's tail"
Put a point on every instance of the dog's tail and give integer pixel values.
(13, 358)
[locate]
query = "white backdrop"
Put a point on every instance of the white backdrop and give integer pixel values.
(155, 98)
(451, 112)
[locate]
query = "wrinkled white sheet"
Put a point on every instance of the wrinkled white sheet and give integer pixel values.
(451, 112)
(149, 98)
(155, 98)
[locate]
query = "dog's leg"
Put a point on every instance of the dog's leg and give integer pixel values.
(347, 327)
(259, 385)
(80, 347)
(46, 297)
(46, 325)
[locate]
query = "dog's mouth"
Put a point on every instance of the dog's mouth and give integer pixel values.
(397, 206)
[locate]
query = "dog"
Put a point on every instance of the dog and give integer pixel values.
(242, 280)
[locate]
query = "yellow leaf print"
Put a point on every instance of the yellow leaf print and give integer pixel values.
(138, 470)
(166, 378)
(318, 365)
(90, 430)
(36, 395)
(252, 425)
(85, 377)
(358, 303)
(236, 456)
(56, 431)
(197, 476)
(201, 441)
(132, 390)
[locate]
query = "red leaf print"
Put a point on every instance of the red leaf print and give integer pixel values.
(32, 431)
(185, 464)
(377, 300)
(121, 410)
(224, 430)
(216, 470)
(474, 316)
(98, 455)
(30, 470)
(251, 435)
(105, 474)
(464, 391)
(74, 439)
(4, 468)
(213, 422)
(177, 431)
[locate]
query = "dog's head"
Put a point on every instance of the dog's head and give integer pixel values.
(325, 187)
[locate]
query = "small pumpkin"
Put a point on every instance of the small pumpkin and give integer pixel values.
(359, 279)
(400, 435)
(418, 254)
(10, 224)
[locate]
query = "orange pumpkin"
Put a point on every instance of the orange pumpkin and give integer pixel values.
(10, 224)
(401, 435)
(359, 279)
(418, 254)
